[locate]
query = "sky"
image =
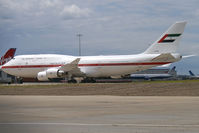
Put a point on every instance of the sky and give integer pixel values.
(109, 27)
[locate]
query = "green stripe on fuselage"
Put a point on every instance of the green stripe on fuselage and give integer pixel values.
(173, 35)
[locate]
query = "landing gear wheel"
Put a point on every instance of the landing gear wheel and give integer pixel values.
(89, 80)
(20, 80)
(72, 81)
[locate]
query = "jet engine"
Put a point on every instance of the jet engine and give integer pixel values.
(41, 76)
(50, 73)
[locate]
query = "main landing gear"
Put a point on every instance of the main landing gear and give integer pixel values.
(82, 80)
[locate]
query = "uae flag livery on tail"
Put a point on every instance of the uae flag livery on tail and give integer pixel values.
(168, 38)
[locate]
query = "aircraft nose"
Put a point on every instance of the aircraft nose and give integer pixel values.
(3, 67)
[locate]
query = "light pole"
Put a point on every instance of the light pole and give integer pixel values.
(79, 35)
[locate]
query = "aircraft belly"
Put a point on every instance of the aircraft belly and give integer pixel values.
(24, 72)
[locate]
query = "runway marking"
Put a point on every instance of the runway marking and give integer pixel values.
(100, 124)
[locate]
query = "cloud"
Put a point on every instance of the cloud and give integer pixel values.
(73, 11)
(47, 4)
(38, 8)
(196, 12)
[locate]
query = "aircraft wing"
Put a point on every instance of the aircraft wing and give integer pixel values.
(70, 66)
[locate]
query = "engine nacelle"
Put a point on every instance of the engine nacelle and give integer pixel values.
(50, 73)
(41, 76)
(54, 73)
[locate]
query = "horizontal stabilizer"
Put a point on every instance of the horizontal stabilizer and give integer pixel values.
(164, 58)
(188, 56)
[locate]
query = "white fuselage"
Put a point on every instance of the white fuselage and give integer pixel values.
(90, 66)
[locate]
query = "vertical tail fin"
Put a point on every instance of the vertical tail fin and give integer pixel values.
(191, 73)
(169, 41)
(7, 56)
(173, 69)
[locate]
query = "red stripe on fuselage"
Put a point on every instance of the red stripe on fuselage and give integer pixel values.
(125, 64)
(30, 66)
(83, 65)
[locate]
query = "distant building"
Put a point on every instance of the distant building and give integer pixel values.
(6, 78)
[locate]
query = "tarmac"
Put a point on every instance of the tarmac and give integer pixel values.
(99, 114)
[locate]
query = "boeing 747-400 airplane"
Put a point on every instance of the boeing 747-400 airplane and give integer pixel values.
(48, 66)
